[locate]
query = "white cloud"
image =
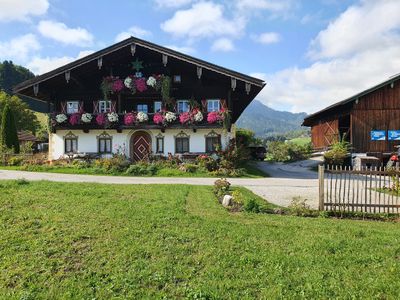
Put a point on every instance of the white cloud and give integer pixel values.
(346, 66)
(21, 10)
(61, 33)
(203, 19)
(223, 44)
(39, 65)
(183, 49)
(19, 48)
(135, 31)
(171, 3)
(271, 5)
(267, 38)
(368, 25)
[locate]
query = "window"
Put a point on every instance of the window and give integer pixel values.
(159, 144)
(105, 143)
(104, 106)
(70, 143)
(142, 108)
(177, 78)
(72, 107)
(183, 106)
(212, 105)
(213, 141)
(157, 106)
(182, 143)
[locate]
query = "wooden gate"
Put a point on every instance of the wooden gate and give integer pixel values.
(140, 146)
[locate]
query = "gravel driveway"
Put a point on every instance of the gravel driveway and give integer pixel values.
(286, 181)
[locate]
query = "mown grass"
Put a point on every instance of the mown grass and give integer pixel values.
(249, 171)
(95, 241)
(301, 141)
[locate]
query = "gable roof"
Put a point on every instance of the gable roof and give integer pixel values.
(348, 101)
(145, 44)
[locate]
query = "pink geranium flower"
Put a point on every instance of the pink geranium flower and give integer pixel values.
(184, 117)
(117, 85)
(140, 84)
(74, 118)
(158, 118)
(101, 119)
(212, 117)
(129, 118)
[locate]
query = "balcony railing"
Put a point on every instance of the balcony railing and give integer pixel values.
(59, 121)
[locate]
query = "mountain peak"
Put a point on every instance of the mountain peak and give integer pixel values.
(266, 121)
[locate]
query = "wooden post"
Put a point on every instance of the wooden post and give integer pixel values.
(321, 186)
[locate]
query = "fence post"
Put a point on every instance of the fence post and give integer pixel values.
(321, 186)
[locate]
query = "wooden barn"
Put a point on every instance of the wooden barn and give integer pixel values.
(369, 120)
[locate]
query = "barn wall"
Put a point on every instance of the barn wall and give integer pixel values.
(324, 133)
(379, 110)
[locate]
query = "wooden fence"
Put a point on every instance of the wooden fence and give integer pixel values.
(368, 190)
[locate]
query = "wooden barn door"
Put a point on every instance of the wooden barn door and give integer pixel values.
(140, 146)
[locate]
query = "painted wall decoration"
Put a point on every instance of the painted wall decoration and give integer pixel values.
(378, 135)
(394, 135)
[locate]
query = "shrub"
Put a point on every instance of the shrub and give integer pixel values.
(207, 162)
(251, 205)
(141, 169)
(238, 198)
(15, 161)
(338, 154)
(298, 207)
(286, 151)
(221, 187)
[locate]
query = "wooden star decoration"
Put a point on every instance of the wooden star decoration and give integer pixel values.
(137, 65)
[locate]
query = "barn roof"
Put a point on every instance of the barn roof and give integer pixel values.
(138, 42)
(344, 104)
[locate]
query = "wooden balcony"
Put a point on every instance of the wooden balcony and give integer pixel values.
(120, 125)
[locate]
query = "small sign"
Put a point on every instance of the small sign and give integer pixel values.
(378, 135)
(394, 135)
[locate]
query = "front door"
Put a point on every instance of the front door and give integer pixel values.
(140, 146)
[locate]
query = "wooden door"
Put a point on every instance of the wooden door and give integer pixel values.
(140, 146)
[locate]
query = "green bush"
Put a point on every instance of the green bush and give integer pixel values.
(15, 161)
(221, 187)
(299, 207)
(286, 151)
(142, 169)
(338, 154)
(251, 205)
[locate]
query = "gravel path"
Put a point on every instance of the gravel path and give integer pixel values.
(278, 190)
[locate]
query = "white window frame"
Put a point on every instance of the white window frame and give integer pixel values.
(72, 107)
(104, 106)
(182, 102)
(155, 106)
(213, 105)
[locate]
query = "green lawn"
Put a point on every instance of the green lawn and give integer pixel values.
(96, 241)
(250, 171)
(301, 141)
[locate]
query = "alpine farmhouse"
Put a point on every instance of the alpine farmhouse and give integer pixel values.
(140, 99)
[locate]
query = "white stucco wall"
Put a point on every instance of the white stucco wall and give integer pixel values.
(87, 142)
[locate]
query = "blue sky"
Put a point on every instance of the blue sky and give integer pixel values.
(310, 53)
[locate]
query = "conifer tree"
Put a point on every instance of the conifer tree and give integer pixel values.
(8, 130)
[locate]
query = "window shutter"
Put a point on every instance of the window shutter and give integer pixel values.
(204, 105)
(95, 107)
(113, 106)
(80, 109)
(63, 107)
(222, 102)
